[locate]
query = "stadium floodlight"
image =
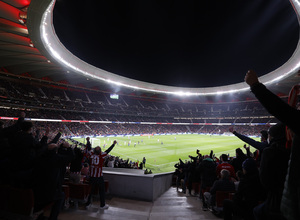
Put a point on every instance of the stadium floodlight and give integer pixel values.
(63, 56)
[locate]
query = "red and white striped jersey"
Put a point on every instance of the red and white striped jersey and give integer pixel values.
(96, 163)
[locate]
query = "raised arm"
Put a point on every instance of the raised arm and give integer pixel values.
(273, 104)
(111, 147)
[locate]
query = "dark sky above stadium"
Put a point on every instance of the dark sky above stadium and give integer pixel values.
(198, 43)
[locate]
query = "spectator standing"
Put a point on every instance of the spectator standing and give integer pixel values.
(225, 165)
(272, 174)
(49, 174)
(249, 193)
(96, 174)
(207, 170)
(259, 145)
(76, 166)
(180, 173)
(238, 160)
(290, 116)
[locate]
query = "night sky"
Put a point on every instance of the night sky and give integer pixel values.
(198, 43)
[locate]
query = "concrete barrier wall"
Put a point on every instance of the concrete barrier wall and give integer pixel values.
(134, 184)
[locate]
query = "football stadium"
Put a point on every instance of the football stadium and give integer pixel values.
(149, 109)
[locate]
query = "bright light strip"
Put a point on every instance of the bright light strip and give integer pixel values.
(66, 58)
(136, 123)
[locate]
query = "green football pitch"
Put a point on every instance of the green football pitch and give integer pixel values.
(162, 152)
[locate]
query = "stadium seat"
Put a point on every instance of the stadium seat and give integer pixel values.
(79, 193)
(220, 197)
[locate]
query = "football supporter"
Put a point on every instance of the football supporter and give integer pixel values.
(288, 114)
(225, 165)
(48, 178)
(259, 145)
(76, 165)
(248, 194)
(223, 184)
(96, 174)
(207, 171)
(238, 160)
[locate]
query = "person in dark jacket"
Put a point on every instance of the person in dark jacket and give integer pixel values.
(290, 116)
(179, 173)
(25, 150)
(7, 135)
(76, 165)
(223, 184)
(207, 171)
(49, 174)
(249, 193)
(238, 160)
(273, 170)
(259, 145)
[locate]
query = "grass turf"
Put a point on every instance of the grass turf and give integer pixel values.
(162, 152)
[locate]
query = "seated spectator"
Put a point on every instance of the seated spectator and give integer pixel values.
(239, 175)
(223, 184)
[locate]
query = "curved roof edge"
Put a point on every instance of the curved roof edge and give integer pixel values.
(41, 31)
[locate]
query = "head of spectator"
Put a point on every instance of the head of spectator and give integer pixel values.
(97, 150)
(225, 174)
(239, 152)
(26, 127)
(249, 166)
(264, 135)
(276, 132)
(224, 158)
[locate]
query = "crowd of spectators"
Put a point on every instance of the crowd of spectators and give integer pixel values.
(100, 129)
(260, 185)
(37, 157)
(253, 178)
(65, 102)
(32, 159)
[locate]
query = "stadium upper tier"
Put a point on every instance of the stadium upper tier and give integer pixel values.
(50, 101)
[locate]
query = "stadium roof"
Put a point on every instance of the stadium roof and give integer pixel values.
(29, 47)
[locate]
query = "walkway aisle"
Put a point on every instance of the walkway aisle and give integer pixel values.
(172, 205)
